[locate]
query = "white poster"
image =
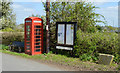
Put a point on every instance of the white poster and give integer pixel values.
(69, 34)
(61, 32)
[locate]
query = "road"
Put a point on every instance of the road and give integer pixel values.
(15, 63)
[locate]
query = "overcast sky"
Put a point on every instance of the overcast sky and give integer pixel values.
(25, 8)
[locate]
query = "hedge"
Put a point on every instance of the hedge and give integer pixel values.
(9, 37)
(88, 45)
(3, 47)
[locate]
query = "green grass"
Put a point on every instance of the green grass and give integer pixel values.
(64, 60)
(118, 67)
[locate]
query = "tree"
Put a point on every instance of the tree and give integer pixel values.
(19, 28)
(99, 27)
(0, 9)
(35, 15)
(80, 12)
(8, 19)
(111, 28)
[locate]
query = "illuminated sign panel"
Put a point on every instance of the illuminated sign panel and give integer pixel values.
(28, 21)
(65, 35)
(37, 21)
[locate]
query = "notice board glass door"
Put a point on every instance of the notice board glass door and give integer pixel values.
(61, 33)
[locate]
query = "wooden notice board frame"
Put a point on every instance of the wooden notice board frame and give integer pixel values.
(66, 46)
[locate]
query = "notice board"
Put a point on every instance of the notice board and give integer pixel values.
(65, 35)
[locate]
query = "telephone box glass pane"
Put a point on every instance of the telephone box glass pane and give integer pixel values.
(37, 36)
(28, 32)
(28, 48)
(69, 34)
(37, 30)
(38, 26)
(28, 29)
(37, 40)
(37, 43)
(28, 42)
(37, 46)
(28, 36)
(61, 28)
(28, 39)
(28, 26)
(37, 50)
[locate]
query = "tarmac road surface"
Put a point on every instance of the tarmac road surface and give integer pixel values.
(15, 63)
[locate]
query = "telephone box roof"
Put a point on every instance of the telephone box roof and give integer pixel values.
(33, 18)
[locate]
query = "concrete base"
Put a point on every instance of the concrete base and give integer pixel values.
(105, 59)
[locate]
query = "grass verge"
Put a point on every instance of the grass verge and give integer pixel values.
(67, 61)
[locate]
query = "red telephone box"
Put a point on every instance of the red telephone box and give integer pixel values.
(33, 35)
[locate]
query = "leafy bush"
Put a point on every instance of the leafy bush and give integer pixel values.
(9, 37)
(8, 30)
(88, 45)
(4, 47)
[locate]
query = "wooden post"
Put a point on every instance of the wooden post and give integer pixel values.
(47, 25)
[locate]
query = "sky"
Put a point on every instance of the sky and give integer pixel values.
(110, 11)
(25, 8)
